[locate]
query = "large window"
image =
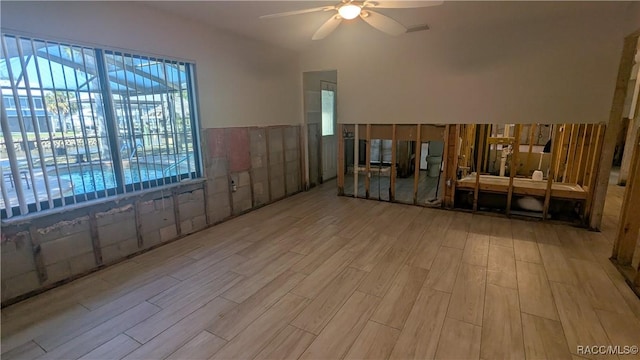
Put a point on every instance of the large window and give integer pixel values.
(81, 123)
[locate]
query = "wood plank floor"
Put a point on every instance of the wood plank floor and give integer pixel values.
(317, 276)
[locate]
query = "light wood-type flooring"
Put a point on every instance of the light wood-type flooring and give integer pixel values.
(317, 276)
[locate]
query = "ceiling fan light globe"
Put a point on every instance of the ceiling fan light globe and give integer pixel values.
(349, 11)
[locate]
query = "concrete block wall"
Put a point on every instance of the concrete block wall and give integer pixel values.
(41, 251)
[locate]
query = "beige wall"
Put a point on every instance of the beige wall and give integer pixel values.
(240, 81)
(481, 62)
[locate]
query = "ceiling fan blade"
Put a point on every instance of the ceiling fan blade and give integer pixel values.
(298, 12)
(401, 4)
(383, 23)
(327, 28)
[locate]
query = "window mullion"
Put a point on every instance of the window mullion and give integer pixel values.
(193, 114)
(110, 120)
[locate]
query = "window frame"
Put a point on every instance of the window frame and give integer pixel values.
(111, 123)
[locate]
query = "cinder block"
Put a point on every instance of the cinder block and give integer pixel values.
(277, 187)
(16, 262)
(184, 198)
(186, 227)
(244, 179)
(150, 238)
(217, 168)
(218, 201)
(163, 204)
(82, 263)
(291, 140)
(64, 228)
(114, 233)
(197, 195)
(115, 216)
(168, 233)
(199, 222)
(218, 185)
(191, 209)
(218, 211)
(242, 200)
(275, 140)
(119, 250)
(146, 207)
(19, 285)
(58, 271)
(157, 220)
(66, 248)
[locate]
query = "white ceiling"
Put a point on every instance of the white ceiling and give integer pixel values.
(294, 32)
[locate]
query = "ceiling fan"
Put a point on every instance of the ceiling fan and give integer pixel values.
(350, 9)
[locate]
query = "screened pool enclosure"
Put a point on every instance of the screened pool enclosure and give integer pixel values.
(81, 123)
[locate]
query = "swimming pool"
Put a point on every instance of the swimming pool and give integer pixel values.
(88, 179)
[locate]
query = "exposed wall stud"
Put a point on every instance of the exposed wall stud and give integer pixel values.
(613, 126)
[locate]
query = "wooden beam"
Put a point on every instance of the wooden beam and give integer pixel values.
(587, 160)
(367, 165)
(485, 139)
(394, 155)
(559, 151)
(340, 159)
(479, 156)
(629, 226)
(513, 167)
(532, 130)
(356, 158)
(556, 142)
(573, 143)
(416, 170)
(578, 166)
(611, 133)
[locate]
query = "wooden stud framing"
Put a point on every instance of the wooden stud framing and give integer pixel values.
(568, 166)
(629, 227)
(450, 156)
(356, 158)
(394, 155)
(532, 130)
(592, 174)
(341, 159)
(480, 151)
(557, 154)
(574, 178)
(585, 169)
(513, 167)
(485, 140)
(416, 170)
(613, 126)
(557, 143)
(367, 165)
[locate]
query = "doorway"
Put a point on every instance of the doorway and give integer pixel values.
(320, 107)
(328, 141)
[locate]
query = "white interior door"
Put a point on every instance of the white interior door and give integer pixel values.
(329, 126)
